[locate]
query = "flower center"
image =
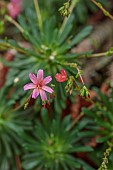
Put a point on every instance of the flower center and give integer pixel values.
(39, 86)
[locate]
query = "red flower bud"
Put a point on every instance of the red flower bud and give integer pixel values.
(62, 76)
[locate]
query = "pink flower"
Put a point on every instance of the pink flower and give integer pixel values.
(39, 85)
(14, 8)
(61, 77)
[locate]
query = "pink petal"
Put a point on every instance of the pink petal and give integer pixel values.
(29, 86)
(16, 1)
(63, 72)
(35, 93)
(58, 77)
(43, 95)
(14, 9)
(47, 79)
(33, 78)
(40, 75)
(48, 89)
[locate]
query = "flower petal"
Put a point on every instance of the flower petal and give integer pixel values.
(63, 72)
(29, 86)
(43, 95)
(33, 78)
(58, 77)
(48, 89)
(40, 75)
(35, 93)
(47, 79)
(14, 8)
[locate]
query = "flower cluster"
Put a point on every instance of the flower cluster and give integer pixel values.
(64, 10)
(39, 85)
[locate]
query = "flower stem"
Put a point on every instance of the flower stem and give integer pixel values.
(107, 53)
(75, 121)
(7, 45)
(74, 65)
(80, 75)
(99, 5)
(18, 163)
(22, 105)
(15, 23)
(38, 14)
(73, 4)
(98, 54)
(106, 155)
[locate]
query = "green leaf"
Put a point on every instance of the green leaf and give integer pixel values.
(85, 166)
(46, 121)
(88, 112)
(82, 149)
(48, 30)
(71, 161)
(17, 64)
(88, 133)
(81, 35)
(105, 138)
(106, 125)
(103, 98)
(64, 34)
(83, 123)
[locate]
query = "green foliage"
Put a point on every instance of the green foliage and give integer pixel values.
(12, 125)
(83, 7)
(49, 51)
(52, 5)
(81, 10)
(52, 144)
(101, 125)
(102, 115)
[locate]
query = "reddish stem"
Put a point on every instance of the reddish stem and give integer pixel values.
(18, 163)
(80, 75)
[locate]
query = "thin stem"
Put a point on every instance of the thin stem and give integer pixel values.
(99, 5)
(13, 47)
(75, 121)
(102, 54)
(75, 66)
(15, 23)
(98, 54)
(74, 2)
(38, 14)
(18, 163)
(80, 75)
(106, 155)
(23, 104)
(18, 107)
(106, 53)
